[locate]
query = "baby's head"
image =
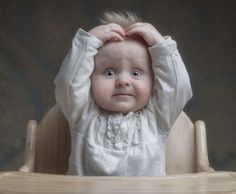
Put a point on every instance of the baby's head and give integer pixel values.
(122, 79)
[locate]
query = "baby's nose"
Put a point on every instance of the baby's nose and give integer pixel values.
(122, 80)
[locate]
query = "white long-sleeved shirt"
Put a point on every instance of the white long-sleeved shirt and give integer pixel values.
(115, 144)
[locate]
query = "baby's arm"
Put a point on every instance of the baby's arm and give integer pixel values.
(73, 80)
(172, 88)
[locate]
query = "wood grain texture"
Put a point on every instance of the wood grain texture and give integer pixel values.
(34, 183)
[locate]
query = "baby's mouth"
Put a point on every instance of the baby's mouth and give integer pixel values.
(122, 94)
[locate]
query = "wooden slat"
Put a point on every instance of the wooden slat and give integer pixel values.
(33, 183)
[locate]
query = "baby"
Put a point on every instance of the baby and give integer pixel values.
(121, 87)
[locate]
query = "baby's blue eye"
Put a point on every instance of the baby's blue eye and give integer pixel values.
(136, 73)
(109, 72)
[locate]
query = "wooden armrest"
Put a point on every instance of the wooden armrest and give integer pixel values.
(30, 147)
(202, 164)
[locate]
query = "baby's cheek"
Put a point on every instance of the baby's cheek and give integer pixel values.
(100, 90)
(97, 96)
(146, 97)
(145, 93)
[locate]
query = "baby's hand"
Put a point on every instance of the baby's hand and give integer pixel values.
(108, 32)
(147, 31)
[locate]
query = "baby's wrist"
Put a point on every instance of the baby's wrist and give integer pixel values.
(158, 39)
(90, 38)
(93, 33)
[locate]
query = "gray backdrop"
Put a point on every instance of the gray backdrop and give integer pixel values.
(36, 35)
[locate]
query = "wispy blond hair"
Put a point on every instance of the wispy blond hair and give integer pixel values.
(124, 19)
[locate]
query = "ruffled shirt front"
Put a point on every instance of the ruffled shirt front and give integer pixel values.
(104, 143)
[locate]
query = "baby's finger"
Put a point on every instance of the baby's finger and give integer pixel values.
(113, 36)
(121, 31)
(139, 24)
(138, 30)
(117, 28)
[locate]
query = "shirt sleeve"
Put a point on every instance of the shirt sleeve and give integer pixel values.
(73, 83)
(172, 88)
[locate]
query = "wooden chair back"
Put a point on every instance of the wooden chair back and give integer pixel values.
(48, 145)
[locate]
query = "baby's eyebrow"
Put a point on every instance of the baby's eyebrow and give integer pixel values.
(140, 64)
(104, 65)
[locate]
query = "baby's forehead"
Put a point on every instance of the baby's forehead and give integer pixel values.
(129, 48)
(126, 43)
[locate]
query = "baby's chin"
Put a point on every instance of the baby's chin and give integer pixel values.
(121, 111)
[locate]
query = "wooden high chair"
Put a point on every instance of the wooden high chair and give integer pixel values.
(48, 145)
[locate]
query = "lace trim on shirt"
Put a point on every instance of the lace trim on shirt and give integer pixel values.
(117, 131)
